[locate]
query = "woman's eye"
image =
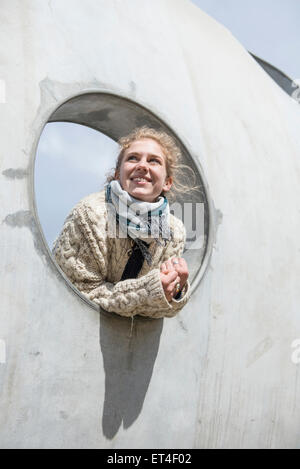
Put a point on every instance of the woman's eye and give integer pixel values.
(130, 157)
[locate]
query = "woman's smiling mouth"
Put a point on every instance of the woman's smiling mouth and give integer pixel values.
(140, 180)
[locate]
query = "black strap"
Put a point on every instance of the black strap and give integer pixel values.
(134, 263)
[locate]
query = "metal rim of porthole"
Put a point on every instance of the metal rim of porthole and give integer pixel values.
(115, 115)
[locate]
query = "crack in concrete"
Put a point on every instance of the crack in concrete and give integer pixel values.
(259, 350)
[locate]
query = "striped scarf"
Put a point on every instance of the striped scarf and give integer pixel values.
(139, 219)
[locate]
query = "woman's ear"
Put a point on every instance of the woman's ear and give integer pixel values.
(168, 184)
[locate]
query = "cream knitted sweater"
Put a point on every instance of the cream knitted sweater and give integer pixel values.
(94, 263)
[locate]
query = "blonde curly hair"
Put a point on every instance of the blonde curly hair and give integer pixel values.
(174, 166)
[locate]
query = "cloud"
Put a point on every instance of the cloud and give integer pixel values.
(71, 162)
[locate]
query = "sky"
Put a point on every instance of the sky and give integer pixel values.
(74, 159)
(269, 29)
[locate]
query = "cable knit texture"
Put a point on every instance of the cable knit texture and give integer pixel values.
(94, 263)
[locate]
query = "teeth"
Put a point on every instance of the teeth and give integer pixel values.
(139, 179)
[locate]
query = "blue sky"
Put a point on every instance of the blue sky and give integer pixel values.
(72, 160)
(267, 28)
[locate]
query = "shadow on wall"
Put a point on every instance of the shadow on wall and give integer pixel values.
(129, 353)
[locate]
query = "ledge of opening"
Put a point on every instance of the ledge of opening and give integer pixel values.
(116, 116)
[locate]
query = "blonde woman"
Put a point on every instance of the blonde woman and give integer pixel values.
(121, 247)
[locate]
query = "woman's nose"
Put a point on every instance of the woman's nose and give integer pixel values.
(142, 164)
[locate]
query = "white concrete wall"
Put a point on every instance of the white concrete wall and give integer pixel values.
(219, 375)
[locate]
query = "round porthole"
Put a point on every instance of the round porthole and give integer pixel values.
(90, 153)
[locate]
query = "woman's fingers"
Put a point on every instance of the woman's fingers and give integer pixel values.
(173, 280)
(182, 270)
(167, 266)
(168, 278)
(174, 271)
(169, 282)
(170, 265)
(172, 276)
(173, 284)
(179, 263)
(163, 268)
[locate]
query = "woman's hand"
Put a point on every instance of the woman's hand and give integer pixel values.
(169, 281)
(178, 265)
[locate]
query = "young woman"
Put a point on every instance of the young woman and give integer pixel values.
(121, 247)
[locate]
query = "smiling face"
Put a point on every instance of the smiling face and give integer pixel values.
(143, 172)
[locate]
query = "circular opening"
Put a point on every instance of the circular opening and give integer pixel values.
(72, 161)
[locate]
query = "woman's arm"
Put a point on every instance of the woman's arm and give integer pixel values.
(175, 249)
(81, 252)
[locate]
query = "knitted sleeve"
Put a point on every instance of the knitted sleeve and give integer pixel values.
(81, 252)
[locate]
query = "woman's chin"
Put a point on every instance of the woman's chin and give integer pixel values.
(141, 194)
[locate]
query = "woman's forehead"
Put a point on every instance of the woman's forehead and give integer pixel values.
(146, 145)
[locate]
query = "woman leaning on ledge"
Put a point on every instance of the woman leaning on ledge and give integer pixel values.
(137, 269)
